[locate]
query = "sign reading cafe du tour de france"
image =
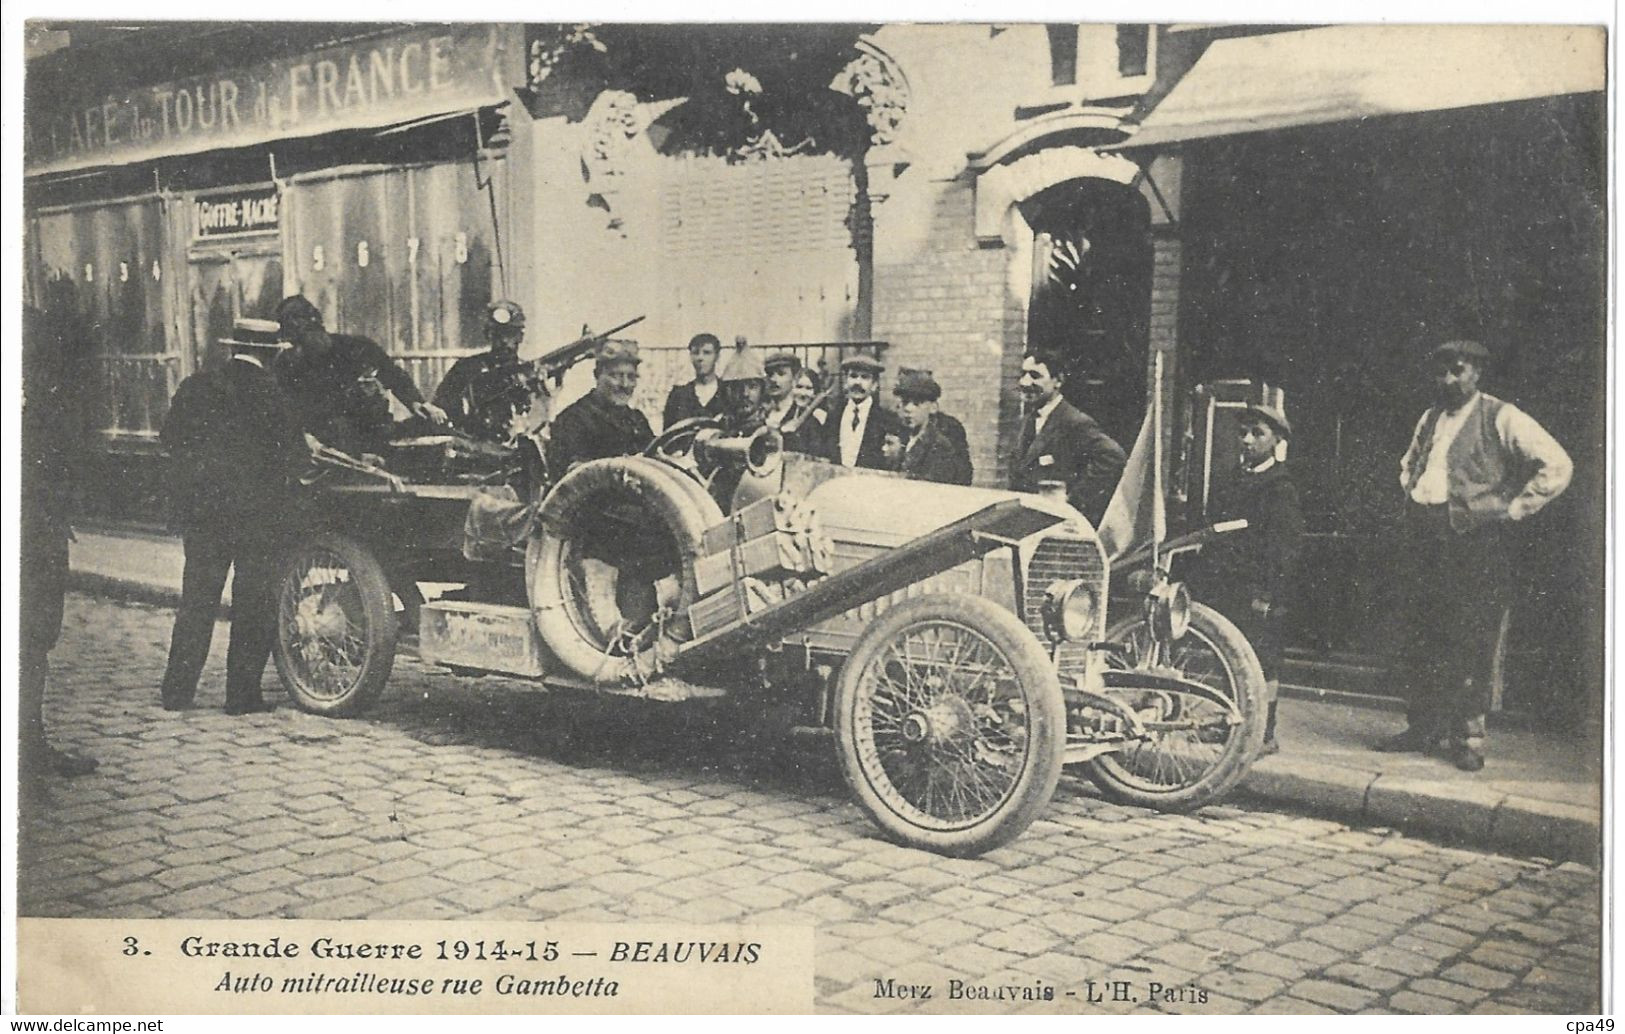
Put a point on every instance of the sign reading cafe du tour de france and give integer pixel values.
(361, 83)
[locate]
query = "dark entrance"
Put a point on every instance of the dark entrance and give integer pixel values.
(1091, 295)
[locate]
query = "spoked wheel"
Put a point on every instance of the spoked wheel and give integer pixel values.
(1196, 749)
(950, 724)
(336, 627)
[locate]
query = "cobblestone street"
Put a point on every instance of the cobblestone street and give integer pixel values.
(473, 798)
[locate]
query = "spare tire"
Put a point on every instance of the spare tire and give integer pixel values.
(610, 572)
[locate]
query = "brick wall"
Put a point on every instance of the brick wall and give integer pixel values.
(943, 305)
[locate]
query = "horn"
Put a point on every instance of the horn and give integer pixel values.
(761, 452)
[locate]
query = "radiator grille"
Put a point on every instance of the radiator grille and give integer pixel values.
(1062, 559)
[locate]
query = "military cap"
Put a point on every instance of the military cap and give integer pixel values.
(1465, 349)
(251, 333)
(296, 308)
(616, 350)
(745, 365)
(916, 386)
(505, 314)
(866, 363)
(1274, 418)
(777, 359)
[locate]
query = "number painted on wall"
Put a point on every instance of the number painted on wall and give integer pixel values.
(411, 251)
(362, 255)
(90, 273)
(157, 273)
(462, 248)
(123, 272)
(318, 258)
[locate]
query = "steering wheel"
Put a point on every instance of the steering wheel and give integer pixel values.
(676, 443)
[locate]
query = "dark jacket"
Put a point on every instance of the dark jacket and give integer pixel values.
(235, 449)
(480, 393)
(1260, 561)
(1071, 448)
(333, 396)
(681, 404)
(882, 422)
(590, 428)
(933, 455)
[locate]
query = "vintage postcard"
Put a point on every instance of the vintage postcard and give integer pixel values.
(911, 517)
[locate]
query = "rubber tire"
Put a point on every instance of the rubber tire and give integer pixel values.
(377, 609)
(685, 511)
(1236, 653)
(1035, 785)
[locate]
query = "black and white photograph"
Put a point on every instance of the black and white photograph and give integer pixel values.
(906, 517)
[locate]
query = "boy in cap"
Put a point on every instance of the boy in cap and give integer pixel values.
(602, 422)
(1475, 465)
(1249, 575)
(235, 451)
(931, 453)
(855, 434)
(782, 369)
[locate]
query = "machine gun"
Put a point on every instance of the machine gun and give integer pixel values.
(554, 364)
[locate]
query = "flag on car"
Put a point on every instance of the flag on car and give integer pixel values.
(1136, 515)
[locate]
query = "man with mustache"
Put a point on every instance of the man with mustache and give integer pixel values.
(1475, 465)
(602, 422)
(856, 433)
(1059, 442)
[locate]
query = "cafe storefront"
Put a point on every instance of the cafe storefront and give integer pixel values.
(368, 173)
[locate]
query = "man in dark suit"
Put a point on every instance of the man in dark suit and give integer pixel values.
(1060, 443)
(931, 453)
(336, 382)
(855, 434)
(235, 450)
(703, 395)
(52, 460)
(601, 423)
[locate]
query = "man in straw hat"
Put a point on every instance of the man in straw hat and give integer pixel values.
(235, 450)
(602, 422)
(1475, 465)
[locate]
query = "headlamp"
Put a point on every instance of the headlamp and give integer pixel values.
(1168, 607)
(1070, 609)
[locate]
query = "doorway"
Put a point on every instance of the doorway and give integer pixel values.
(228, 284)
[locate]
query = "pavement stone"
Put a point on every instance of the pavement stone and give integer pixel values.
(438, 804)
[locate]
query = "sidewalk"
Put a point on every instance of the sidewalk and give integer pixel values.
(1539, 794)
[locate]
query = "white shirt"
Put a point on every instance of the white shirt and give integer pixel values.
(852, 437)
(1043, 413)
(704, 393)
(252, 360)
(1520, 435)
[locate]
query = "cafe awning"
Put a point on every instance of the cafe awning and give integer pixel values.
(1253, 84)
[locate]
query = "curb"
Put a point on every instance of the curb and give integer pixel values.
(1472, 815)
(130, 590)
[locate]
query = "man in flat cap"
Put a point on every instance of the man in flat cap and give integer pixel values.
(781, 369)
(482, 394)
(1249, 575)
(602, 422)
(931, 452)
(855, 434)
(1475, 465)
(337, 381)
(235, 452)
(1059, 442)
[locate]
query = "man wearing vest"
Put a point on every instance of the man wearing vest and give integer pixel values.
(1474, 464)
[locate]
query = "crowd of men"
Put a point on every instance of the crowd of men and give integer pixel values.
(241, 432)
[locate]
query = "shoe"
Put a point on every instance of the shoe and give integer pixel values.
(1409, 741)
(69, 765)
(42, 760)
(249, 706)
(1466, 758)
(1270, 747)
(179, 705)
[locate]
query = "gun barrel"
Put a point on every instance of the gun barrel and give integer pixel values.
(577, 349)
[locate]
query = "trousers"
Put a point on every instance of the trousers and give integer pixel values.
(1457, 586)
(250, 553)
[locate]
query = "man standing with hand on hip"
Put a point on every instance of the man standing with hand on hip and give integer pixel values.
(1475, 464)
